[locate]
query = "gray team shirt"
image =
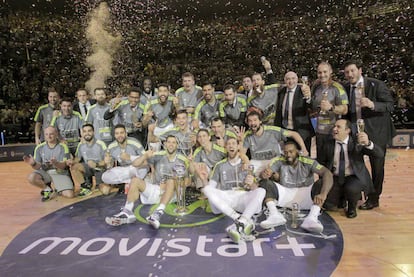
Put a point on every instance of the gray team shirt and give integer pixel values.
(210, 159)
(102, 127)
(161, 112)
(44, 115)
(91, 152)
(295, 177)
(232, 111)
(133, 147)
(228, 176)
(128, 116)
(336, 96)
(164, 168)
(69, 128)
(266, 102)
(187, 99)
(43, 155)
(267, 146)
(184, 139)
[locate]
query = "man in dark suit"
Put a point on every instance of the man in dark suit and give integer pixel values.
(84, 103)
(345, 158)
(292, 110)
(370, 100)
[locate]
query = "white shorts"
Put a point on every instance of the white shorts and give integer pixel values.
(288, 196)
(123, 174)
(152, 194)
(158, 130)
(259, 166)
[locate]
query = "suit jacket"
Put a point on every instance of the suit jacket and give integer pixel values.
(301, 119)
(378, 122)
(356, 159)
(77, 108)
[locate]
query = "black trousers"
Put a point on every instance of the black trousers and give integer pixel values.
(350, 191)
(377, 173)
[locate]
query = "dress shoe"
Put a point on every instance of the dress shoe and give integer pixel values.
(369, 205)
(351, 212)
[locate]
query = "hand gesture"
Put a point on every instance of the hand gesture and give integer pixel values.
(115, 101)
(28, 159)
(319, 199)
(362, 138)
(306, 91)
(367, 103)
(267, 173)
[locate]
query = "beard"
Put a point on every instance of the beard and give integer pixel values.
(255, 128)
(88, 138)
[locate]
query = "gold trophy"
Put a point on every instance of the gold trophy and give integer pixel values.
(180, 187)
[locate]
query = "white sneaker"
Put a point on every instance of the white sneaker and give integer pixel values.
(273, 220)
(245, 226)
(312, 225)
(233, 233)
(154, 218)
(124, 217)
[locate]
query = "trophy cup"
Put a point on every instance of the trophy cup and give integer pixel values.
(361, 90)
(324, 97)
(305, 81)
(294, 215)
(360, 125)
(180, 187)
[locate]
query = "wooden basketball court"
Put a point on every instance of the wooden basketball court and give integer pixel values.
(379, 242)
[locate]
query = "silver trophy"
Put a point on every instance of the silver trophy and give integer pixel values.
(324, 97)
(294, 216)
(360, 125)
(180, 187)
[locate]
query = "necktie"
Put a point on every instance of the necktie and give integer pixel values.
(286, 113)
(353, 104)
(85, 110)
(341, 168)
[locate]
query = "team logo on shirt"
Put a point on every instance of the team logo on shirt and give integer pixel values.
(76, 240)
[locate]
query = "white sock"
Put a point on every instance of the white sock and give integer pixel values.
(129, 206)
(161, 207)
(48, 188)
(271, 205)
(234, 215)
(314, 211)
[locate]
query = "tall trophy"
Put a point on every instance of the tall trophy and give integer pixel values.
(180, 187)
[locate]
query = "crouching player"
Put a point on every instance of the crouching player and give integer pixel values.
(290, 179)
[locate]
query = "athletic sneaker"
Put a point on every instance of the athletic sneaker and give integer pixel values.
(154, 218)
(124, 217)
(312, 225)
(48, 195)
(233, 233)
(273, 220)
(241, 229)
(84, 192)
(245, 226)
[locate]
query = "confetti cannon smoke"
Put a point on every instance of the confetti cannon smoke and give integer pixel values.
(103, 45)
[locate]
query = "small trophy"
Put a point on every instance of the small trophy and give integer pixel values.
(360, 125)
(361, 90)
(324, 97)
